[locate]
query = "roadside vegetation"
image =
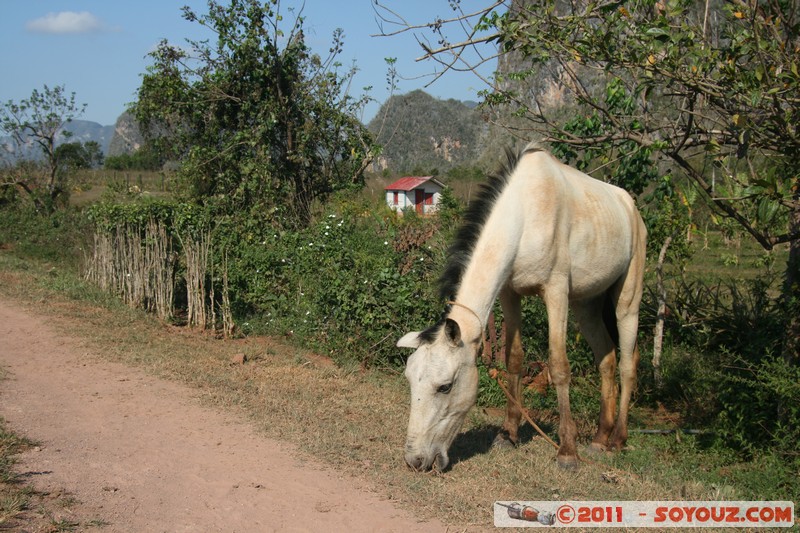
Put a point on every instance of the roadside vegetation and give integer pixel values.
(262, 232)
(353, 412)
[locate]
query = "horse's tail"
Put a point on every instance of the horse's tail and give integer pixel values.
(610, 317)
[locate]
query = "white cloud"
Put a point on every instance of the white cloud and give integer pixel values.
(66, 22)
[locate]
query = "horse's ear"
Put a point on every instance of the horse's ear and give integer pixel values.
(409, 340)
(453, 331)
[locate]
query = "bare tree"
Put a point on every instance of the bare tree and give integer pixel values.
(37, 122)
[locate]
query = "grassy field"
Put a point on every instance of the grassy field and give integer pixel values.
(91, 186)
(355, 420)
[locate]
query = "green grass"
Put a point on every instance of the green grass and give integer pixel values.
(704, 471)
(717, 259)
(91, 186)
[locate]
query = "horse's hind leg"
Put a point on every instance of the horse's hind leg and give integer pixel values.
(627, 314)
(627, 372)
(512, 315)
(590, 319)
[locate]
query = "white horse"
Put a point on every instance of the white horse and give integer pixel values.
(539, 228)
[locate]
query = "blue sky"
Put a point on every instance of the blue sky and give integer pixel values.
(98, 48)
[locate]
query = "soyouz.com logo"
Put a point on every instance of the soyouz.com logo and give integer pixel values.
(659, 514)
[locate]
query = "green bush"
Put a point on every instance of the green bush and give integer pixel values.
(760, 406)
(347, 285)
(720, 369)
(61, 237)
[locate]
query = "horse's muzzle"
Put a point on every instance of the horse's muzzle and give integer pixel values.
(422, 463)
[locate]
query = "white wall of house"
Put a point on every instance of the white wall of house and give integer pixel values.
(403, 199)
(407, 199)
(437, 195)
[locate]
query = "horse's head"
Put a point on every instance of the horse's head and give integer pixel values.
(444, 385)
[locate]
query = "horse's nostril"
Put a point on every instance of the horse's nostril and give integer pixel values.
(415, 462)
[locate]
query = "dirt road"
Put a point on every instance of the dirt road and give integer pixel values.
(140, 454)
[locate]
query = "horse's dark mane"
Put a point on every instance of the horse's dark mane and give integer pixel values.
(478, 211)
(459, 253)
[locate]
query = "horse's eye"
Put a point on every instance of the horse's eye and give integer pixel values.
(444, 389)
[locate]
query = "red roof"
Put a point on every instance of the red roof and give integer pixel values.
(408, 183)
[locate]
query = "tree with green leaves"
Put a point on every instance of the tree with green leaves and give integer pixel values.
(708, 90)
(77, 155)
(260, 124)
(38, 122)
(145, 158)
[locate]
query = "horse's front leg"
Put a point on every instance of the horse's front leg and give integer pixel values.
(557, 308)
(512, 316)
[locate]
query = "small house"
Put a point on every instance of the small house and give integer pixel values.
(421, 193)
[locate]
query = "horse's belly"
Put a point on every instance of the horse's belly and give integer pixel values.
(589, 280)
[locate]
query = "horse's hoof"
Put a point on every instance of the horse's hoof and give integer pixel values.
(616, 446)
(596, 449)
(502, 441)
(567, 462)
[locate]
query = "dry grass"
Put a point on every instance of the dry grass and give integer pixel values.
(351, 420)
(21, 507)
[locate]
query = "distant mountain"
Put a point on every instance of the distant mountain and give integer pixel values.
(422, 133)
(126, 138)
(81, 131)
(419, 133)
(122, 138)
(84, 131)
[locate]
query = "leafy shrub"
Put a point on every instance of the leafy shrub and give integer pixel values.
(722, 372)
(61, 237)
(349, 284)
(760, 406)
(146, 158)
